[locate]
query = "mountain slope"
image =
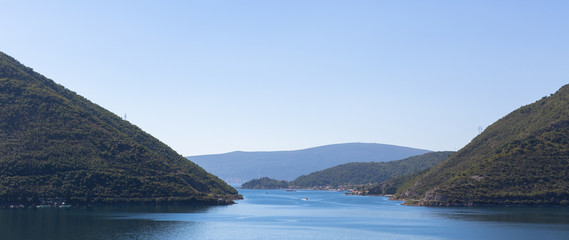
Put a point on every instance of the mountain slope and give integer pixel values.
(288, 165)
(55, 144)
(358, 173)
(522, 159)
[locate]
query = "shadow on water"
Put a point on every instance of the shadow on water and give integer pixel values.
(90, 223)
(551, 215)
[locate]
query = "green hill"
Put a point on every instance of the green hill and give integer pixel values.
(388, 187)
(57, 146)
(522, 159)
(359, 173)
(265, 183)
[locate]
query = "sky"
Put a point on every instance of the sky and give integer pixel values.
(210, 77)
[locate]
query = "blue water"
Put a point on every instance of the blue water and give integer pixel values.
(277, 214)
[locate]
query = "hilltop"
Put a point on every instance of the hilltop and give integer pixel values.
(57, 146)
(521, 159)
(265, 183)
(288, 165)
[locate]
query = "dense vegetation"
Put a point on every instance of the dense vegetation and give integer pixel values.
(359, 173)
(289, 165)
(522, 159)
(265, 183)
(55, 144)
(388, 187)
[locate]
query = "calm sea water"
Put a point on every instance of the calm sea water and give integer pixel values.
(277, 214)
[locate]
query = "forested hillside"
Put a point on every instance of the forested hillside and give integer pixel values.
(265, 183)
(57, 145)
(359, 173)
(522, 159)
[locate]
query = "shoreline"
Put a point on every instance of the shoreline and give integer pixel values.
(157, 201)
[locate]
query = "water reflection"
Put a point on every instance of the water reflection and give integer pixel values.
(509, 215)
(91, 223)
(283, 215)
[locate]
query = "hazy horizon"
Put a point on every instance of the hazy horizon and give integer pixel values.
(299, 149)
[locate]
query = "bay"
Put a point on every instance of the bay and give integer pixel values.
(278, 214)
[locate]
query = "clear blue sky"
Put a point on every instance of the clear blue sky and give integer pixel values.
(218, 76)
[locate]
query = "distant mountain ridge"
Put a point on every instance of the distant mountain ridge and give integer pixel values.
(56, 146)
(521, 159)
(288, 165)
